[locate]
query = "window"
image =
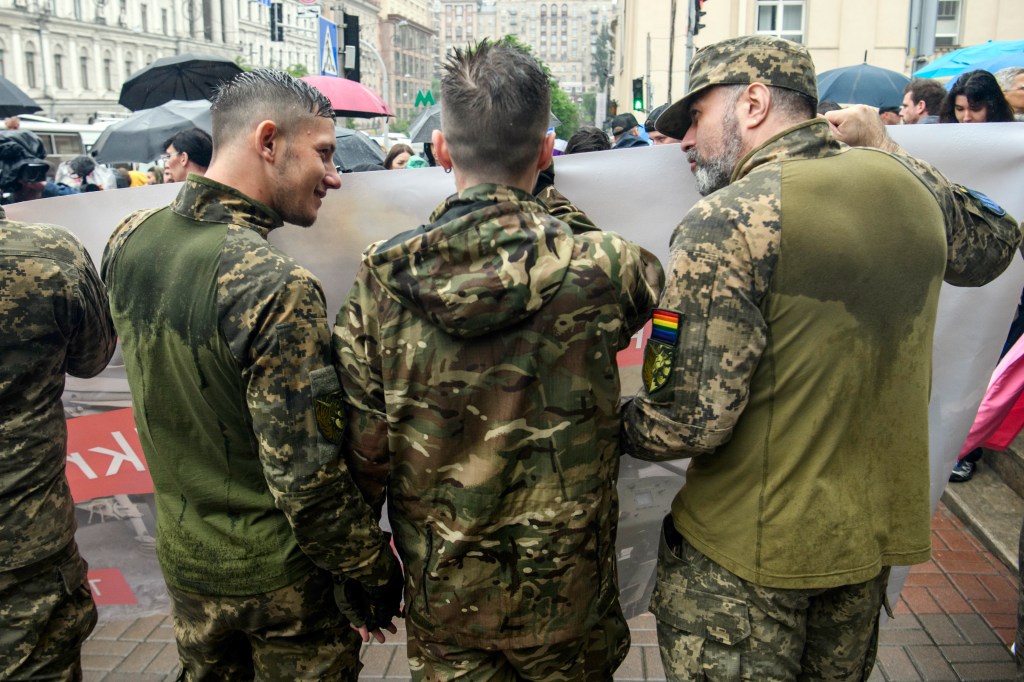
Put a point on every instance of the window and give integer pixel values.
(83, 65)
(947, 28)
(165, 22)
(78, 9)
(144, 12)
(3, 69)
(58, 70)
(781, 18)
(30, 65)
(129, 65)
(108, 71)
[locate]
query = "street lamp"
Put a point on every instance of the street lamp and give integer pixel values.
(384, 75)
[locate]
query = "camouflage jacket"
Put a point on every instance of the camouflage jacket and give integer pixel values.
(478, 357)
(795, 357)
(227, 350)
(53, 320)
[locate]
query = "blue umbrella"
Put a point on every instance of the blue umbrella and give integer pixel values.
(862, 84)
(992, 65)
(966, 58)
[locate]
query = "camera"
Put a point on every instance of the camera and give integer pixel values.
(33, 171)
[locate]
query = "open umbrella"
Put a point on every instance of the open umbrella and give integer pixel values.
(141, 136)
(350, 98)
(965, 59)
(13, 101)
(185, 76)
(429, 120)
(999, 63)
(862, 84)
(354, 148)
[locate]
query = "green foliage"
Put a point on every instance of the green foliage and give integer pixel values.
(295, 70)
(588, 107)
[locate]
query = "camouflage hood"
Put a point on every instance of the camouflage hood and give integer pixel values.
(490, 257)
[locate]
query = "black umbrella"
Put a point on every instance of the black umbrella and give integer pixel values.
(141, 136)
(429, 120)
(862, 84)
(183, 76)
(13, 101)
(353, 148)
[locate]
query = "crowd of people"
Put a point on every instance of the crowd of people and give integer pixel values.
(469, 383)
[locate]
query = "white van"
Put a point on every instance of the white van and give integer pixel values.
(63, 141)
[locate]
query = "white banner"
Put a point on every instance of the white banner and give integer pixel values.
(640, 193)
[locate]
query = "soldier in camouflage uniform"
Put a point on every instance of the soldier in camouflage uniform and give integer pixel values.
(237, 404)
(53, 319)
(478, 356)
(791, 358)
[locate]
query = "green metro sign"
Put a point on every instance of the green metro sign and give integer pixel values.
(424, 98)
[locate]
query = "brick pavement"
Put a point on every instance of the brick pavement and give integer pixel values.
(954, 621)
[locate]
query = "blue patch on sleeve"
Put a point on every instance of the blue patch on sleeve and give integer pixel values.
(986, 203)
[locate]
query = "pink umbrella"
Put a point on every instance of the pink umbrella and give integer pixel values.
(350, 98)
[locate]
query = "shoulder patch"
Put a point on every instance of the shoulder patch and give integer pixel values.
(987, 203)
(330, 417)
(660, 353)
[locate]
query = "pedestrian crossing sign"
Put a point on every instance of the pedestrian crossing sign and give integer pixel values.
(328, 51)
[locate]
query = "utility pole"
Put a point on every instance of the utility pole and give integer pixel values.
(650, 86)
(691, 22)
(384, 75)
(672, 46)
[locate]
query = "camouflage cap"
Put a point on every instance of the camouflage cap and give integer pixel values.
(741, 61)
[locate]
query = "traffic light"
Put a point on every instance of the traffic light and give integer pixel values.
(350, 41)
(638, 94)
(698, 12)
(277, 22)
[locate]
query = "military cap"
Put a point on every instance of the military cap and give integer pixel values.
(742, 61)
(622, 123)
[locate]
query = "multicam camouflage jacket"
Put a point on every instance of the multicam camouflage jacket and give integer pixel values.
(796, 358)
(238, 409)
(478, 357)
(53, 320)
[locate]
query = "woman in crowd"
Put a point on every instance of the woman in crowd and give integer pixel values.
(976, 98)
(398, 157)
(155, 176)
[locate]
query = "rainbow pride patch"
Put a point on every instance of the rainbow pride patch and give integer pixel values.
(665, 326)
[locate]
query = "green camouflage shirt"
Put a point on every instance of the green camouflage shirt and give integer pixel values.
(478, 357)
(805, 292)
(237, 404)
(53, 320)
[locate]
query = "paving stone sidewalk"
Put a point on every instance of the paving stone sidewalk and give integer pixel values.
(955, 621)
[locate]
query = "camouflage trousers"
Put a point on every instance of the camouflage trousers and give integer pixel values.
(592, 659)
(293, 633)
(713, 625)
(46, 612)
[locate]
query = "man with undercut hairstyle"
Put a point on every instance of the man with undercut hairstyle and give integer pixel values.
(238, 406)
(791, 358)
(187, 151)
(478, 356)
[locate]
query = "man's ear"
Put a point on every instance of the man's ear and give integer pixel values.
(440, 149)
(267, 139)
(547, 148)
(184, 158)
(754, 105)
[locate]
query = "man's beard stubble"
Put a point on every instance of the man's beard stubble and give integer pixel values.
(715, 171)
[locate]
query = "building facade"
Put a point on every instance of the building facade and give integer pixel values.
(72, 56)
(837, 32)
(562, 34)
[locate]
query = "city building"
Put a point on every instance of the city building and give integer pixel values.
(408, 41)
(563, 35)
(72, 56)
(650, 36)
